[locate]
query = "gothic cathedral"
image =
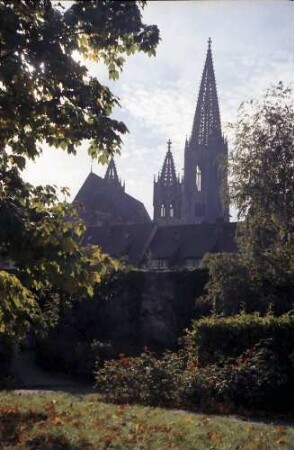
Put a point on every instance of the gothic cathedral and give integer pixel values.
(197, 197)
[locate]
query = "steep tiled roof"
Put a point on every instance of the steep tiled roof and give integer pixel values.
(181, 242)
(175, 243)
(121, 241)
(97, 195)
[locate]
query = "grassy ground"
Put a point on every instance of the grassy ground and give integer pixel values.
(58, 421)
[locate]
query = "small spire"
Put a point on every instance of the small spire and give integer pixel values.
(111, 173)
(168, 173)
(209, 43)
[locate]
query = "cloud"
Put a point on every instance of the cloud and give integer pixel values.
(252, 48)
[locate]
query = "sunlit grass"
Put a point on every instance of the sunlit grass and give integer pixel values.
(84, 422)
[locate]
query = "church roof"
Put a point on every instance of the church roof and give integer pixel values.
(99, 196)
(122, 241)
(175, 243)
(182, 242)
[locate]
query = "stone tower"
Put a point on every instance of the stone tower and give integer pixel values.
(167, 193)
(205, 156)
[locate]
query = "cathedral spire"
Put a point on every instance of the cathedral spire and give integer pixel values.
(207, 118)
(167, 192)
(168, 173)
(111, 173)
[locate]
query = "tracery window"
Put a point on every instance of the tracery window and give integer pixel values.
(198, 178)
(171, 210)
(162, 211)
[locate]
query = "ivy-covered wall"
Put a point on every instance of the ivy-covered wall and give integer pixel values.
(131, 311)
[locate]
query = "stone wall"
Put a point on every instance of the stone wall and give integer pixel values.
(133, 310)
(149, 308)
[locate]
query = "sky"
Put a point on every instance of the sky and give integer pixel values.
(252, 46)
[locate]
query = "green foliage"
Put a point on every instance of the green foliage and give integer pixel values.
(238, 284)
(46, 93)
(229, 288)
(262, 188)
(115, 318)
(262, 169)
(94, 328)
(47, 96)
(43, 238)
(146, 379)
(262, 377)
(219, 340)
(226, 365)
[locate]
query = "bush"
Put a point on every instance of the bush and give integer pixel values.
(217, 340)
(246, 362)
(145, 379)
(262, 377)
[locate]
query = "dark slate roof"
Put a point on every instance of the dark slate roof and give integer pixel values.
(175, 243)
(122, 241)
(181, 242)
(98, 195)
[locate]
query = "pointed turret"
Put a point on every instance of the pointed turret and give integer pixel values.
(168, 172)
(111, 173)
(207, 118)
(167, 192)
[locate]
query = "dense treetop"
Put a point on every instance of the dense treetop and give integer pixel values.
(48, 96)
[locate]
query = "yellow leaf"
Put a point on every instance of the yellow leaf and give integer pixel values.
(58, 421)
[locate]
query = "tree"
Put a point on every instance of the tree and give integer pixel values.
(262, 170)
(47, 96)
(262, 188)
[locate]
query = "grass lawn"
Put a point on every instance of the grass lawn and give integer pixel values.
(58, 421)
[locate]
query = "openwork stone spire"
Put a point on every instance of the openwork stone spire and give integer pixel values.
(111, 173)
(168, 173)
(167, 193)
(207, 118)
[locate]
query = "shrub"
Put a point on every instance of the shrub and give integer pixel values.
(227, 364)
(217, 340)
(145, 379)
(262, 377)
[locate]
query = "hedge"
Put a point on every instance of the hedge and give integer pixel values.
(217, 340)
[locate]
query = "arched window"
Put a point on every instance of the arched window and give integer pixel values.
(198, 178)
(171, 210)
(162, 211)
